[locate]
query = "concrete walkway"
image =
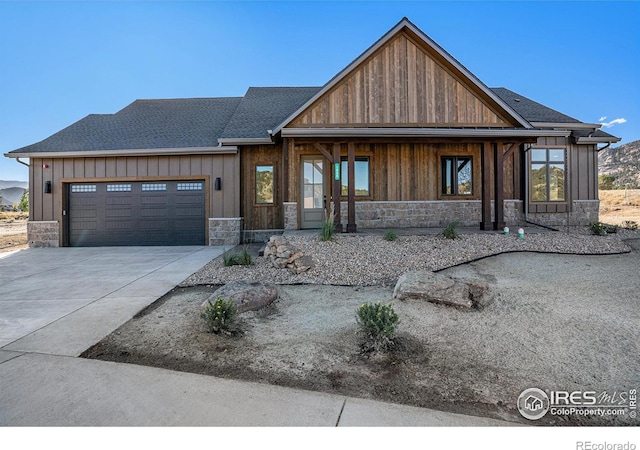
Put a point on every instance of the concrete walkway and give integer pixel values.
(56, 303)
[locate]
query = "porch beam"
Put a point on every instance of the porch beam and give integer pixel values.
(498, 186)
(324, 152)
(485, 165)
(336, 188)
(351, 162)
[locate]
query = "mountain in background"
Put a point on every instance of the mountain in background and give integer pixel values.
(4, 184)
(11, 196)
(623, 163)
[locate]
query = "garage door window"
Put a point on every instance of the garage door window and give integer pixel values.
(154, 186)
(189, 186)
(77, 188)
(118, 188)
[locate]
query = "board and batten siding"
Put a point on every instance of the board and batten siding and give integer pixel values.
(402, 84)
(222, 203)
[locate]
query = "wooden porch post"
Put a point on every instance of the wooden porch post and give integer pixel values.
(351, 162)
(498, 186)
(485, 223)
(336, 188)
(285, 170)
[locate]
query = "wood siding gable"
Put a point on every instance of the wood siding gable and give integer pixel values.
(405, 81)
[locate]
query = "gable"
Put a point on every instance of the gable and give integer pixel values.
(405, 80)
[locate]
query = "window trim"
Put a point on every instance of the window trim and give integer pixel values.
(454, 158)
(255, 184)
(547, 164)
(361, 158)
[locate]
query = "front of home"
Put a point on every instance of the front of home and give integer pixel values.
(404, 136)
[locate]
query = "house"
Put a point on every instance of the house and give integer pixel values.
(404, 136)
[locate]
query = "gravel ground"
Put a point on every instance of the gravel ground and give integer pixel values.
(365, 260)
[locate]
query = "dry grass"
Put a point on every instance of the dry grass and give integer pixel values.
(13, 230)
(618, 206)
(11, 216)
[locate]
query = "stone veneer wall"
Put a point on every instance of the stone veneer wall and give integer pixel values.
(426, 214)
(582, 213)
(225, 231)
(290, 215)
(43, 233)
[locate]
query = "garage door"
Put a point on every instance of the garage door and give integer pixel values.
(136, 213)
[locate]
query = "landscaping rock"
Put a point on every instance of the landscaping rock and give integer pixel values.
(284, 256)
(436, 288)
(247, 296)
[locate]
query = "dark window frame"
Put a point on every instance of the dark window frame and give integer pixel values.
(345, 159)
(548, 163)
(454, 175)
(273, 184)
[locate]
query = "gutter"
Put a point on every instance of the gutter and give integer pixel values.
(219, 150)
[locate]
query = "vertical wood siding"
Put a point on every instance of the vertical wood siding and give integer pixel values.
(262, 217)
(401, 84)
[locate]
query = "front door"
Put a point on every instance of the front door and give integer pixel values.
(313, 207)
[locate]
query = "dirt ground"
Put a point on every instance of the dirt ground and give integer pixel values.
(553, 322)
(618, 206)
(13, 231)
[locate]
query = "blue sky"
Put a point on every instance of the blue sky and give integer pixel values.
(60, 61)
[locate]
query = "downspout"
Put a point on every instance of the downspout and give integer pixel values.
(22, 162)
(603, 148)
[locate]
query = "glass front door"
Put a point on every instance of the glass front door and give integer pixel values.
(313, 207)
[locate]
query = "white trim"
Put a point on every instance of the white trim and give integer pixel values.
(244, 141)
(220, 150)
(422, 132)
(406, 23)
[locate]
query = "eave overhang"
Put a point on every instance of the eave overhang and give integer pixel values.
(220, 150)
(597, 140)
(567, 125)
(245, 141)
(494, 133)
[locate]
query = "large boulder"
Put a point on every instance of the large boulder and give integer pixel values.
(436, 288)
(247, 296)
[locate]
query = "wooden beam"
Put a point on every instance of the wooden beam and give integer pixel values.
(498, 186)
(324, 152)
(351, 163)
(485, 164)
(336, 189)
(285, 169)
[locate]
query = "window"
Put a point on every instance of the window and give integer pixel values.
(264, 185)
(361, 167)
(118, 188)
(77, 188)
(191, 186)
(457, 175)
(548, 174)
(154, 187)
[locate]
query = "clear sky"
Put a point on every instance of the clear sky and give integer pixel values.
(60, 61)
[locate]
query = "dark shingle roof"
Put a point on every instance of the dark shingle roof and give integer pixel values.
(264, 108)
(530, 110)
(145, 124)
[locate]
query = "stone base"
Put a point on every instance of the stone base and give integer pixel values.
(290, 215)
(225, 231)
(43, 233)
(582, 213)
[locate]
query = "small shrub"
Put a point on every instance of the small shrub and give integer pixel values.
(328, 229)
(598, 228)
(630, 225)
(219, 315)
(390, 236)
(237, 259)
(611, 229)
(450, 231)
(378, 322)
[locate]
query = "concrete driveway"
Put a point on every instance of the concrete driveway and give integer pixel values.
(62, 301)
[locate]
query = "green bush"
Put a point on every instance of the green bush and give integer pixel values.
(378, 322)
(390, 236)
(450, 230)
(219, 315)
(598, 228)
(237, 259)
(630, 225)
